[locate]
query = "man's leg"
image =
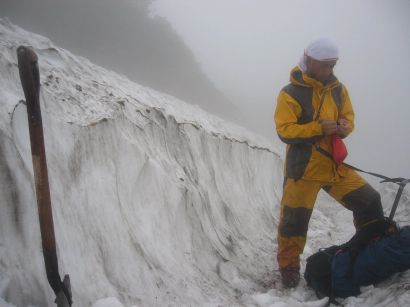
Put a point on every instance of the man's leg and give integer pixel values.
(353, 192)
(296, 208)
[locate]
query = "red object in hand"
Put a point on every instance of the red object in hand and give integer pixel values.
(339, 150)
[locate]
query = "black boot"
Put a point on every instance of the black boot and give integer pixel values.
(290, 277)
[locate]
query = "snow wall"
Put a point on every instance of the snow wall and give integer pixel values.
(154, 201)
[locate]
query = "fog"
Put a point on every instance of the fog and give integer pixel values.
(247, 49)
(123, 36)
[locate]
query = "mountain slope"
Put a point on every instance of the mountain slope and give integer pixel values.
(123, 36)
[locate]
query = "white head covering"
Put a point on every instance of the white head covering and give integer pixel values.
(322, 50)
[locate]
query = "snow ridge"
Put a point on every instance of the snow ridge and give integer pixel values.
(150, 195)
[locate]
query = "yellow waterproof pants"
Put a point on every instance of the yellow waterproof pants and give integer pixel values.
(299, 197)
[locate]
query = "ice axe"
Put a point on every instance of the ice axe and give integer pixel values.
(30, 81)
(402, 183)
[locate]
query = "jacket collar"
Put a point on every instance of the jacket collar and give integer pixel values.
(298, 77)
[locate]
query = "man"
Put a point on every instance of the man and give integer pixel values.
(310, 111)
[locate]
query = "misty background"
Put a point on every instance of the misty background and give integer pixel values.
(232, 57)
(123, 36)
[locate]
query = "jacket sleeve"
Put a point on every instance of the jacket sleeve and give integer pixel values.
(346, 111)
(286, 118)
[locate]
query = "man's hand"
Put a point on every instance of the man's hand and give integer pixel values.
(344, 127)
(328, 126)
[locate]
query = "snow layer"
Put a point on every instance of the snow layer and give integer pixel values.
(155, 202)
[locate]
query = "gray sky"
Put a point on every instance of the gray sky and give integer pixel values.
(248, 47)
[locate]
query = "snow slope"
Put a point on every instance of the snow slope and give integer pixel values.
(156, 203)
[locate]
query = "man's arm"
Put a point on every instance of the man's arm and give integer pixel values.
(346, 117)
(286, 119)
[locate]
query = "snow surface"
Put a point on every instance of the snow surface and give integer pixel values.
(155, 202)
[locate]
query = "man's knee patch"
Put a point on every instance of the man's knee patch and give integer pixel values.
(295, 221)
(360, 198)
(365, 202)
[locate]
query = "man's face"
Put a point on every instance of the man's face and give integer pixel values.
(320, 70)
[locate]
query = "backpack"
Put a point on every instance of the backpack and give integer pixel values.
(318, 272)
(379, 260)
(337, 271)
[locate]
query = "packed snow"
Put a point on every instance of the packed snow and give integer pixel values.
(155, 202)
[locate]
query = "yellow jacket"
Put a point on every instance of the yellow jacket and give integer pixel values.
(298, 124)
